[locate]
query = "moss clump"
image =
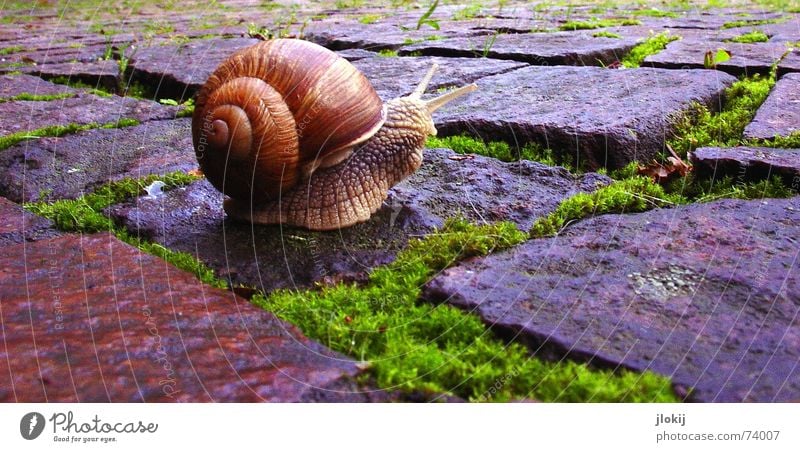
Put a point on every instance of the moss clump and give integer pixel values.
(574, 25)
(751, 22)
(654, 13)
(57, 131)
(96, 90)
(37, 97)
(752, 37)
(439, 348)
(606, 34)
(702, 127)
(468, 12)
(85, 214)
(463, 144)
(634, 194)
(695, 190)
(631, 192)
(651, 46)
(791, 141)
(11, 49)
(367, 19)
(387, 53)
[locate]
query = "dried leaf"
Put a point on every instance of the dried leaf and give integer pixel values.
(196, 172)
(663, 172)
(459, 157)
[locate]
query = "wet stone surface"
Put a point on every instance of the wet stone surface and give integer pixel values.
(789, 63)
(394, 77)
(340, 35)
(82, 109)
(17, 225)
(270, 257)
(51, 55)
(603, 117)
(14, 85)
(100, 74)
(178, 71)
(156, 334)
(779, 115)
(705, 294)
(70, 166)
(746, 59)
(751, 163)
(561, 48)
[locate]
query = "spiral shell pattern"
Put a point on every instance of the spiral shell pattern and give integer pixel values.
(272, 109)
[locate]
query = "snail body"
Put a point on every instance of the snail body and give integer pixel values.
(294, 134)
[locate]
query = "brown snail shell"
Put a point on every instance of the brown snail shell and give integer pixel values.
(270, 113)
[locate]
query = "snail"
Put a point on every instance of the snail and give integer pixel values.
(293, 133)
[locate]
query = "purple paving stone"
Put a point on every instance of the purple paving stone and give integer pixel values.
(789, 63)
(561, 48)
(81, 109)
(347, 34)
(598, 116)
(394, 77)
(746, 59)
(178, 71)
(779, 115)
(271, 257)
(17, 225)
(102, 74)
(154, 333)
(14, 85)
(707, 294)
(70, 166)
(752, 163)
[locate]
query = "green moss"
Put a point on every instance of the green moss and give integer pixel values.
(187, 110)
(752, 22)
(597, 23)
(631, 192)
(367, 19)
(439, 348)
(60, 130)
(137, 90)
(154, 28)
(634, 194)
(37, 97)
(707, 190)
(347, 4)
(654, 13)
(74, 83)
(463, 144)
(468, 12)
(702, 127)
(16, 18)
(650, 46)
(791, 141)
(387, 53)
(85, 215)
(607, 34)
(752, 37)
(11, 49)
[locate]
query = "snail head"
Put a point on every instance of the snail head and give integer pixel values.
(417, 112)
